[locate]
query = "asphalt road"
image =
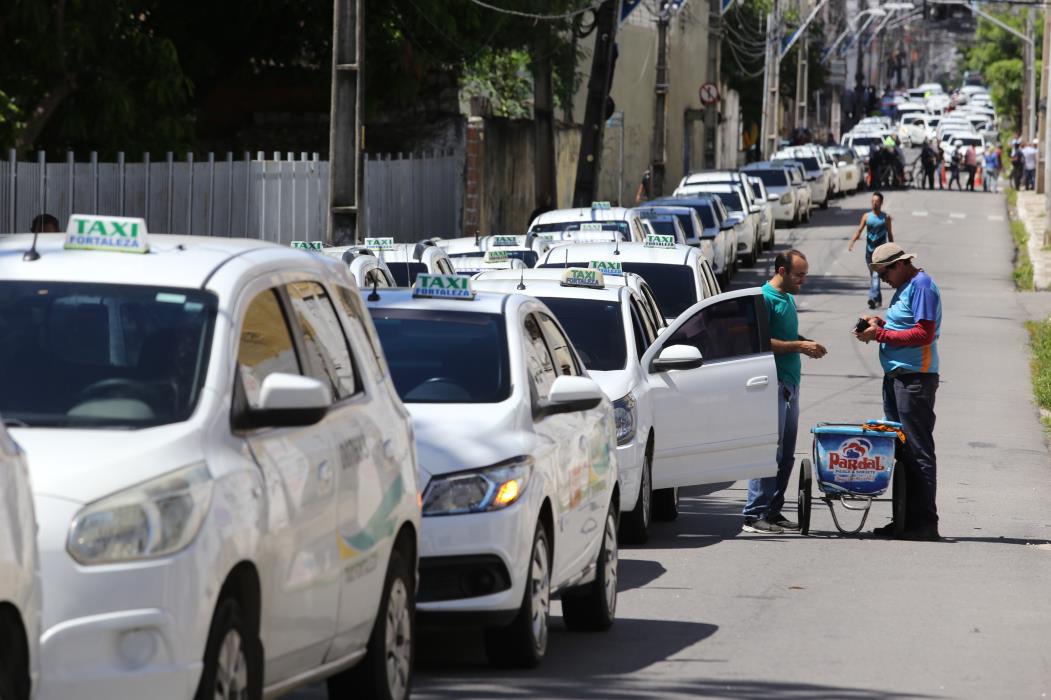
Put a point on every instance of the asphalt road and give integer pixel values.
(708, 611)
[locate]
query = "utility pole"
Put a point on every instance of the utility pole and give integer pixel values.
(802, 77)
(710, 157)
(345, 132)
(1028, 128)
(769, 132)
(586, 185)
(660, 104)
(1041, 124)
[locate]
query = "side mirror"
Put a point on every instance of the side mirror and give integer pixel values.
(726, 225)
(569, 395)
(677, 357)
(289, 400)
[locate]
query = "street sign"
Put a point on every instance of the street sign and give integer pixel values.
(709, 94)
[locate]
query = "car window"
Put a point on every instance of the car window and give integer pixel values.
(359, 331)
(328, 357)
(652, 307)
(404, 273)
(642, 326)
(561, 348)
(265, 346)
(722, 331)
(539, 365)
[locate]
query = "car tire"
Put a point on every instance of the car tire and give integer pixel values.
(593, 607)
(523, 643)
(666, 504)
(386, 671)
(233, 657)
(635, 525)
(14, 659)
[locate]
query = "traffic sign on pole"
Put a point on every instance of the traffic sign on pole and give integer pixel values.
(709, 94)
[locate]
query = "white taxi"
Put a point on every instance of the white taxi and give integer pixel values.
(241, 514)
(495, 259)
(517, 457)
(406, 260)
(599, 216)
(364, 267)
(610, 330)
(19, 576)
(525, 248)
(679, 275)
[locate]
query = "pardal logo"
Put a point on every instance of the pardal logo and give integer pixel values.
(853, 456)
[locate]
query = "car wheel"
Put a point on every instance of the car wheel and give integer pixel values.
(386, 671)
(233, 657)
(523, 643)
(593, 607)
(635, 526)
(14, 660)
(666, 504)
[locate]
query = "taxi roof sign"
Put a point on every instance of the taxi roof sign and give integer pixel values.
(384, 243)
(496, 256)
(601, 205)
(505, 241)
(608, 267)
(582, 277)
(442, 286)
(315, 246)
(120, 234)
(591, 226)
(656, 240)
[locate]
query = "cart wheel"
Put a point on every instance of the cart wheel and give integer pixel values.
(898, 496)
(804, 501)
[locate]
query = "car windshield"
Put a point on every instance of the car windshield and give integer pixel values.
(730, 200)
(445, 356)
(404, 273)
(529, 257)
(810, 163)
(79, 355)
(596, 329)
(665, 227)
(673, 285)
(622, 226)
(771, 178)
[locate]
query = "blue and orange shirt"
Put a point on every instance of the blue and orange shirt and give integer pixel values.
(875, 232)
(918, 300)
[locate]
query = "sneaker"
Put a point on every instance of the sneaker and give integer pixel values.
(783, 522)
(762, 527)
(872, 303)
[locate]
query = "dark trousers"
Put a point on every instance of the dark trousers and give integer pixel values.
(970, 176)
(1016, 175)
(954, 176)
(909, 399)
(928, 177)
(1030, 179)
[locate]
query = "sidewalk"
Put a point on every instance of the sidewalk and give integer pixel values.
(1031, 212)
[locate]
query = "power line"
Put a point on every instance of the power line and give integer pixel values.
(592, 7)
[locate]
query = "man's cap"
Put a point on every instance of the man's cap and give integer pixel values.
(888, 254)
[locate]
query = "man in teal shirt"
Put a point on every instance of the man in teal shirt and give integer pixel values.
(766, 497)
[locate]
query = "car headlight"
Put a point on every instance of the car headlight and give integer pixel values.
(479, 490)
(153, 519)
(626, 416)
(786, 198)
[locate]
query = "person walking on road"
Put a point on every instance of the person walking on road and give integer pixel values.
(878, 230)
(970, 164)
(908, 352)
(1029, 155)
(991, 174)
(1017, 163)
(928, 158)
(954, 165)
(766, 497)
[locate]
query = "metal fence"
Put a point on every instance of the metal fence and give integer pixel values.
(280, 199)
(409, 197)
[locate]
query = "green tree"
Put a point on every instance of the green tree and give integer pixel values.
(996, 54)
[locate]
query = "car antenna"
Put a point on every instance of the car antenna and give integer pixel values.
(521, 280)
(32, 254)
(566, 264)
(616, 243)
(375, 296)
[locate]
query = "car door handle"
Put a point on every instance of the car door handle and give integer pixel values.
(757, 381)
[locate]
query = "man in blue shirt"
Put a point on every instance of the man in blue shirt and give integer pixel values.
(878, 228)
(766, 497)
(908, 352)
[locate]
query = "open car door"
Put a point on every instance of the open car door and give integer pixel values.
(714, 388)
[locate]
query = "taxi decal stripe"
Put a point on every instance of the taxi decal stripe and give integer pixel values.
(380, 525)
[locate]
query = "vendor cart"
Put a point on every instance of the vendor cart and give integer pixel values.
(853, 465)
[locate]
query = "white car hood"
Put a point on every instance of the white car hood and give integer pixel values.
(456, 437)
(86, 465)
(615, 383)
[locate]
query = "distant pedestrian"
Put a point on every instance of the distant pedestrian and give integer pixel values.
(991, 172)
(766, 497)
(928, 159)
(1029, 156)
(643, 193)
(1017, 165)
(908, 352)
(955, 161)
(970, 164)
(879, 229)
(44, 223)
(940, 168)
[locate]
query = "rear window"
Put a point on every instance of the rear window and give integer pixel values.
(405, 273)
(771, 178)
(673, 285)
(810, 163)
(622, 226)
(596, 329)
(528, 257)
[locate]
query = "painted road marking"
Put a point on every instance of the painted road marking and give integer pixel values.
(994, 217)
(920, 213)
(957, 215)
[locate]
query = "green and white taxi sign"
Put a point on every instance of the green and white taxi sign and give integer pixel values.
(121, 234)
(656, 240)
(504, 241)
(496, 256)
(313, 246)
(589, 226)
(608, 267)
(601, 205)
(582, 277)
(383, 243)
(443, 286)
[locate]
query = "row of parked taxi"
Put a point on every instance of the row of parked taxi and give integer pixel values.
(252, 468)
